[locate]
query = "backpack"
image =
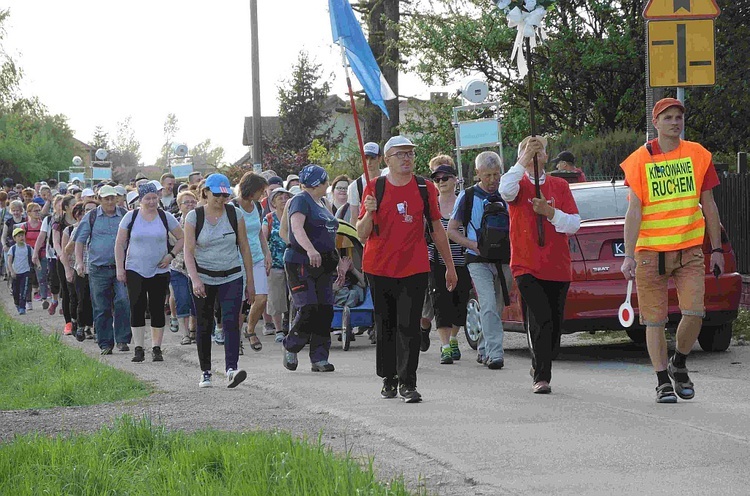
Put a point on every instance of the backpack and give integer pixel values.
(493, 234)
(200, 219)
(162, 216)
(28, 250)
(421, 184)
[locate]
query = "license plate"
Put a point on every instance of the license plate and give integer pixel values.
(618, 248)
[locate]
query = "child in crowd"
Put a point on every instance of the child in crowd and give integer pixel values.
(349, 287)
(278, 299)
(19, 266)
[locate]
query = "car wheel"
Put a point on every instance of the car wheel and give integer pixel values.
(638, 336)
(555, 339)
(473, 327)
(716, 338)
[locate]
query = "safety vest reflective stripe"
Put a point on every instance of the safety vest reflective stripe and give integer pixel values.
(673, 239)
(669, 206)
(673, 222)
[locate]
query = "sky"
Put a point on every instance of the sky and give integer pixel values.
(98, 62)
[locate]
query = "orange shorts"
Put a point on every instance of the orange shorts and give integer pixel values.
(687, 270)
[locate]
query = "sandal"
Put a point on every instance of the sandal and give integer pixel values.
(683, 386)
(255, 343)
(186, 340)
(191, 334)
(665, 394)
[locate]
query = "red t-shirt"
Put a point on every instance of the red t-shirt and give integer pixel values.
(32, 233)
(710, 180)
(550, 262)
(399, 250)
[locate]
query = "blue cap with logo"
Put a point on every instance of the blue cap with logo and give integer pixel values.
(218, 183)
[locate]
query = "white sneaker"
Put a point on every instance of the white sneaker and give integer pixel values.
(234, 377)
(205, 380)
(29, 306)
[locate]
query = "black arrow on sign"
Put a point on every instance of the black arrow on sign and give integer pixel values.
(681, 4)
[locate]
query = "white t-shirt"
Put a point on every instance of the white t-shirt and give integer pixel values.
(353, 193)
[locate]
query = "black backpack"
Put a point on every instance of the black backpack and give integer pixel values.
(421, 183)
(493, 233)
(200, 219)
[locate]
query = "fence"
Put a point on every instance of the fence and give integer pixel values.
(733, 199)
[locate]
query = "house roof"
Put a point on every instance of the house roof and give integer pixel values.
(246, 159)
(81, 144)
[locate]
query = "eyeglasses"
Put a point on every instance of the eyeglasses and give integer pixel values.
(442, 179)
(189, 202)
(403, 155)
(341, 188)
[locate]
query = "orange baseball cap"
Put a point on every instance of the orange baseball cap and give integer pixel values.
(664, 104)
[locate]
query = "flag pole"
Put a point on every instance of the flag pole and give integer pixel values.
(532, 118)
(356, 117)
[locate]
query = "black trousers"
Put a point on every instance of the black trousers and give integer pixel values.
(53, 279)
(85, 306)
(149, 292)
(65, 296)
(545, 303)
(398, 308)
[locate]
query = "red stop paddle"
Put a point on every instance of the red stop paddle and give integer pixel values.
(626, 313)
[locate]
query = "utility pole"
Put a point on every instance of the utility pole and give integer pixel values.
(255, 64)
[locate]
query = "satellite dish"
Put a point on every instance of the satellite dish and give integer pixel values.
(179, 149)
(101, 154)
(77, 161)
(475, 90)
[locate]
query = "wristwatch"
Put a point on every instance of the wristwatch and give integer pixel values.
(717, 250)
(172, 254)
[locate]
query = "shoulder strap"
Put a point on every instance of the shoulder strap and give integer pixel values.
(132, 222)
(468, 208)
(163, 217)
(360, 188)
(232, 216)
(341, 213)
(92, 219)
(13, 251)
(259, 208)
(422, 185)
(200, 218)
(31, 256)
(379, 193)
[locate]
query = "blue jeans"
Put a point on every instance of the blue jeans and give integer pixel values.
(490, 294)
(41, 277)
(183, 294)
(229, 297)
(109, 296)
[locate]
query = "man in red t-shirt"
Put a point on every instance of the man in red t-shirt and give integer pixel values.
(542, 273)
(396, 263)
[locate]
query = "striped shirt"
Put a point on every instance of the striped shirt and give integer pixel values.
(457, 251)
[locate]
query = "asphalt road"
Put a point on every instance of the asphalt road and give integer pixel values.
(478, 431)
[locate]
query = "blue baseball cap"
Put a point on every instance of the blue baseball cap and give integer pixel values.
(313, 175)
(218, 183)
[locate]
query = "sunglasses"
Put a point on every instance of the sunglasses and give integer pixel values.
(221, 195)
(442, 179)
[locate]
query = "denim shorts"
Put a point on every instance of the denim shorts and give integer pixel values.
(687, 270)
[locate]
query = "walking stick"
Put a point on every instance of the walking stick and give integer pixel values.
(532, 118)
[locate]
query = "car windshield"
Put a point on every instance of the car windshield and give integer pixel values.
(606, 202)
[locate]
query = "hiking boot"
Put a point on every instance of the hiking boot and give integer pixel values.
(205, 379)
(424, 335)
(156, 355)
(89, 334)
(123, 347)
(68, 329)
(234, 377)
(495, 364)
(53, 307)
(409, 394)
(541, 387)
(481, 359)
(290, 360)
(323, 366)
(446, 357)
(455, 352)
(665, 393)
(683, 386)
(80, 334)
(389, 389)
(139, 355)
(21, 310)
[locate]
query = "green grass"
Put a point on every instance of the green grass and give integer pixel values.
(137, 457)
(741, 326)
(38, 371)
(604, 336)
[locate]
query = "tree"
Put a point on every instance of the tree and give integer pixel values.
(205, 152)
(590, 73)
(100, 139)
(171, 127)
(302, 113)
(125, 140)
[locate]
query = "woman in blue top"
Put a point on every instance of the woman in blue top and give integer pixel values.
(311, 261)
(251, 188)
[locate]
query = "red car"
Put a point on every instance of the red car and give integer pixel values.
(598, 287)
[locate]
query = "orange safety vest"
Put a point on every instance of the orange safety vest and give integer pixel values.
(669, 187)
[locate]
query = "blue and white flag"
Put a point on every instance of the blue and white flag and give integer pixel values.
(348, 33)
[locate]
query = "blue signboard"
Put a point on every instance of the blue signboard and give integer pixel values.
(101, 173)
(76, 175)
(182, 170)
(479, 133)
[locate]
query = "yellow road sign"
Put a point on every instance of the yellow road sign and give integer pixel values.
(681, 53)
(681, 9)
